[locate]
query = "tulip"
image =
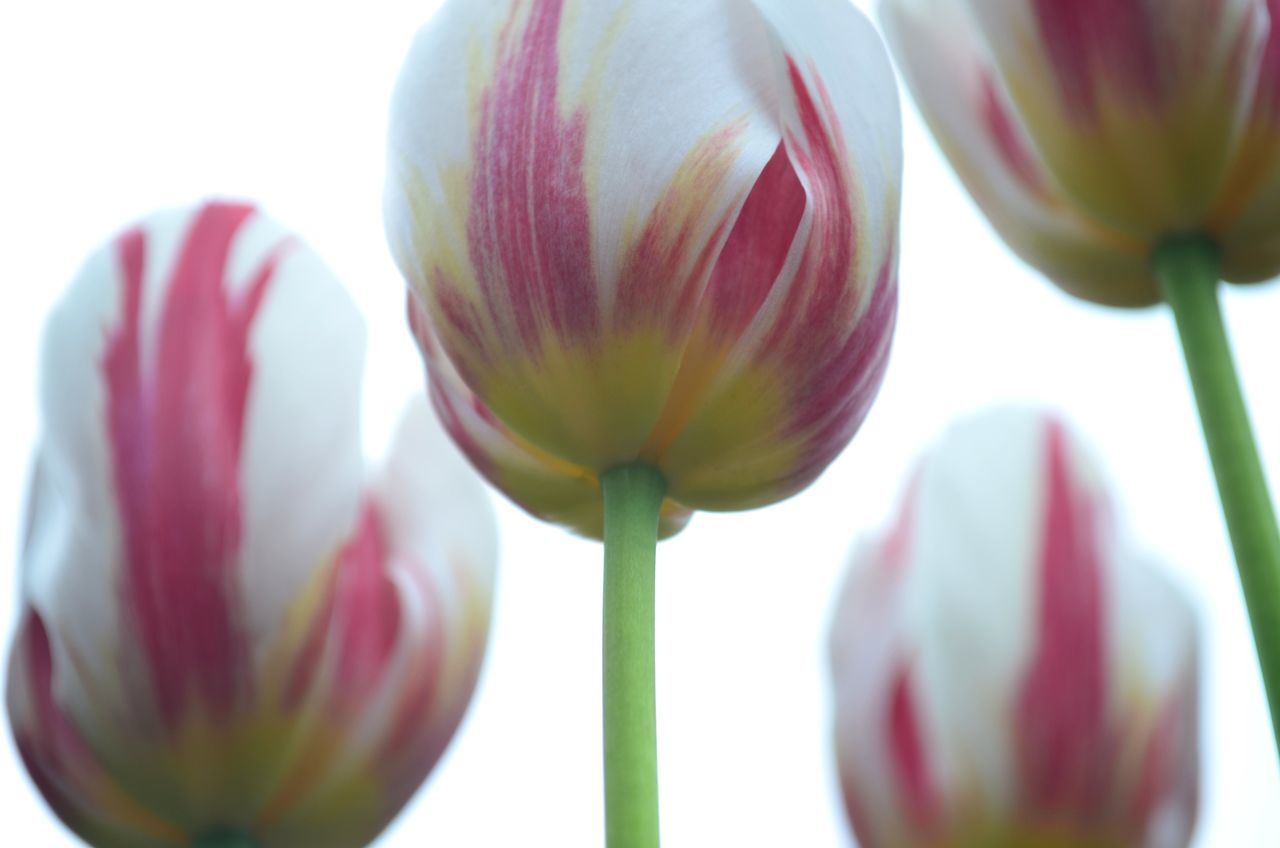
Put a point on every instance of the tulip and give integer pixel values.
(1090, 132)
(651, 252)
(659, 232)
(1008, 670)
(231, 635)
(1130, 150)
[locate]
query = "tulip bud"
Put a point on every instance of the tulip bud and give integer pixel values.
(227, 628)
(658, 232)
(1089, 132)
(1007, 670)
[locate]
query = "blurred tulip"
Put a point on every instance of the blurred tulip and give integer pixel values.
(1090, 132)
(1007, 670)
(659, 233)
(227, 627)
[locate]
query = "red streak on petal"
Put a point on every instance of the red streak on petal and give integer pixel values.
(907, 753)
(409, 731)
(1061, 724)
(757, 247)
(53, 746)
(666, 270)
(1267, 99)
(357, 625)
(822, 292)
(366, 607)
(896, 548)
(529, 228)
(836, 393)
(1100, 44)
(446, 402)
(1009, 141)
(836, 355)
(176, 435)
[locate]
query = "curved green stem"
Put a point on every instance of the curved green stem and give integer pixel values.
(632, 503)
(225, 839)
(1187, 269)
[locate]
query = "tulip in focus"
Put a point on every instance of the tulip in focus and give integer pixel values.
(1089, 132)
(1008, 670)
(230, 631)
(649, 232)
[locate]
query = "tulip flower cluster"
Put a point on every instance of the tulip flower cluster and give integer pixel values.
(1008, 670)
(651, 253)
(227, 627)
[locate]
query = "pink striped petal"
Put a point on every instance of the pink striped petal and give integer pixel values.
(393, 647)
(679, 224)
(1134, 105)
(176, 437)
(1006, 670)
(958, 89)
(1065, 753)
(62, 765)
(216, 634)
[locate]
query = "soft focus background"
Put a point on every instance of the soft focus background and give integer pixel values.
(109, 110)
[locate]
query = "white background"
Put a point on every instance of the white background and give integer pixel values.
(109, 110)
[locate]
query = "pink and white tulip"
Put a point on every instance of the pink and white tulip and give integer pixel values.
(1008, 670)
(227, 624)
(1091, 131)
(660, 232)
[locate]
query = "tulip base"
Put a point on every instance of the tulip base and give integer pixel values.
(225, 839)
(1187, 269)
(632, 503)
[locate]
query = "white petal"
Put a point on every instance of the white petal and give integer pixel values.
(302, 466)
(436, 509)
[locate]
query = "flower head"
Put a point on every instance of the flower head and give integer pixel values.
(654, 232)
(1091, 131)
(226, 625)
(1007, 669)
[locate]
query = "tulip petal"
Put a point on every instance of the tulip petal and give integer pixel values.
(1064, 750)
(961, 96)
(1135, 106)
(549, 488)
(59, 760)
(866, 635)
(782, 368)
(1246, 215)
(584, 249)
(394, 648)
(1006, 669)
(176, 480)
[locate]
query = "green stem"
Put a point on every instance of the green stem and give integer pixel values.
(632, 502)
(225, 839)
(1187, 269)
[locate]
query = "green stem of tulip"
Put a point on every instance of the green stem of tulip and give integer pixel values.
(1187, 269)
(225, 839)
(632, 502)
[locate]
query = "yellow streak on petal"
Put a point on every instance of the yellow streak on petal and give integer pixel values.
(590, 406)
(438, 229)
(703, 360)
(733, 440)
(1146, 170)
